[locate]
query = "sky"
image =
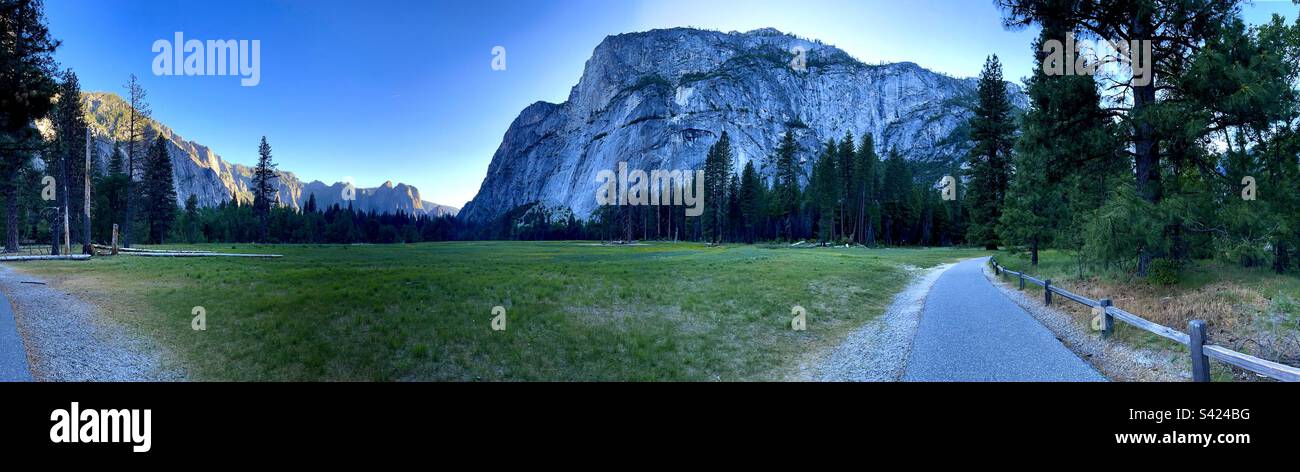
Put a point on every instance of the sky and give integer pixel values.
(405, 90)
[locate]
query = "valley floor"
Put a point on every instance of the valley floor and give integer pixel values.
(574, 310)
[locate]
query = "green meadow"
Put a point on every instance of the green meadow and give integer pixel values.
(574, 310)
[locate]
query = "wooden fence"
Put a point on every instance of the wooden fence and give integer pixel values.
(1195, 339)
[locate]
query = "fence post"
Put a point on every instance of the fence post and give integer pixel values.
(114, 239)
(1047, 291)
(1022, 280)
(1107, 321)
(1196, 344)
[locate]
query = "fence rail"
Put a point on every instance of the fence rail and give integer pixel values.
(1195, 338)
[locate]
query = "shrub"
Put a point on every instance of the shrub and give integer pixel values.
(1248, 254)
(1166, 272)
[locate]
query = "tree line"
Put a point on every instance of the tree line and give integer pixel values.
(850, 196)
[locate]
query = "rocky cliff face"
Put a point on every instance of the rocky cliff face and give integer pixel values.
(400, 197)
(199, 171)
(659, 99)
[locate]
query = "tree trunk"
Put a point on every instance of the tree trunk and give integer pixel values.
(1146, 146)
(130, 201)
(627, 224)
(85, 199)
(56, 230)
(1281, 257)
(1033, 252)
(11, 211)
(60, 216)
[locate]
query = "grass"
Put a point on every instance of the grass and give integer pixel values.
(576, 311)
(1251, 310)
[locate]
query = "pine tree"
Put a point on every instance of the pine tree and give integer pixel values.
(137, 128)
(1247, 77)
(751, 203)
(263, 189)
(1158, 130)
(785, 186)
(158, 191)
(27, 71)
(1065, 161)
(824, 191)
(1029, 217)
(116, 160)
(896, 200)
(192, 219)
(993, 134)
(717, 172)
(845, 165)
(69, 154)
(110, 196)
(735, 217)
(865, 179)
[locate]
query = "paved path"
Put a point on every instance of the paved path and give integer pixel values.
(970, 331)
(13, 357)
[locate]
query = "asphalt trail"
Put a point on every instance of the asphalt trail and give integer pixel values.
(13, 356)
(970, 331)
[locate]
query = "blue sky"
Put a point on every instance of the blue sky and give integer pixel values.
(404, 90)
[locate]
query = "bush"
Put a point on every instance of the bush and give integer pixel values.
(1122, 226)
(1166, 272)
(1248, 254)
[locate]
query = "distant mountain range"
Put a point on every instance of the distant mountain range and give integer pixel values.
(659, 99)
(201, 172)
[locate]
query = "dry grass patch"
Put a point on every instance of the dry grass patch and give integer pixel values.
(1248, 310)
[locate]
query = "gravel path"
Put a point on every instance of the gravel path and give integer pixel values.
(67, 341)
(879, 350)
(970, 331)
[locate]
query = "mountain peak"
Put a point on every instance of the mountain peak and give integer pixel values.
(201, 172)
(768, 31)
(658, 99)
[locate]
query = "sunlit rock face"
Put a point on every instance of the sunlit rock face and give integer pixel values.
(659, 99)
